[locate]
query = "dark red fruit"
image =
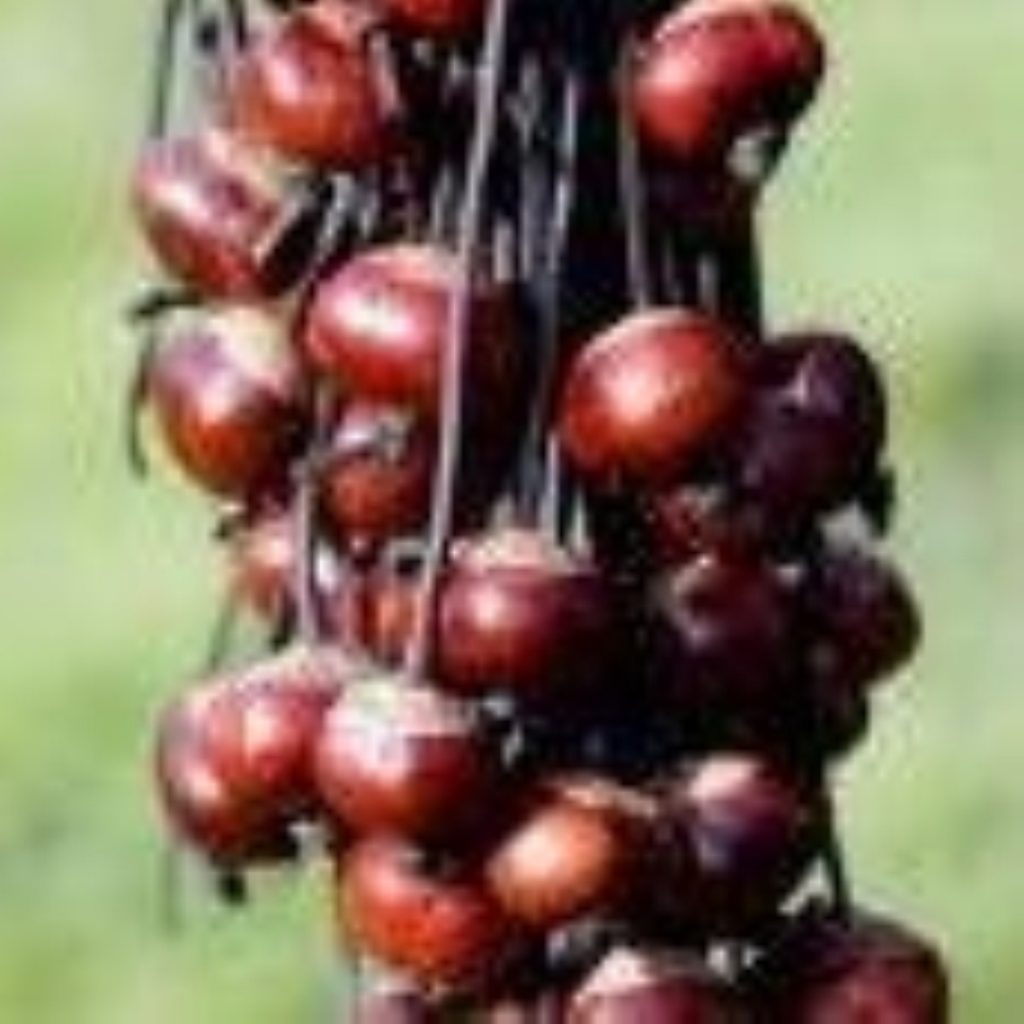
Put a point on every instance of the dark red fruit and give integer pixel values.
(438, 925)
(262, 565)
(692, 520)
(208, 204)
(233, 755)
(729, 631)
(442, 19)
(646, 397)
(519, 613)
(867, 624)
(380, 324)
(561, 859)
(378, 481)
(397, 756)
(651, 986)
(817, 429)
(870, 971)
(720, 72)
(225, 389)
(309, 90)
(737, 836)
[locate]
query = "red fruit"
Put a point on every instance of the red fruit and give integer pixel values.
(867, 624)
(443, 19)
(440, 927)
(870, 971)
(208, 204)
(232, 757)
(521, 614)
(720, 72)
(816, 430)
(737, 837)
(561, 860)
(379, 478)
(263, 565)
(692, 520)
(225, 389)
(730, 632)
(309, 90)
(651, 986)
(380, 324)
(397, 756)
(651, 394)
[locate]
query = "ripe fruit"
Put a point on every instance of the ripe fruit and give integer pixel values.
(225, 389)
(262, 564)
(651, 986)
(379, 475)
(729, 631)
(872, 969)
(380, 324)
(816, 430)
(397, 756)
(232, 757)
(444, 19)
(866, 622)
(439, 925)
(559, 861)
(208, 204)
(309, 90)
(719, 72)
(520, 614)
(648, 396)
(737, 836)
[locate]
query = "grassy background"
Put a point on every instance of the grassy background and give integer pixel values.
(900, 216)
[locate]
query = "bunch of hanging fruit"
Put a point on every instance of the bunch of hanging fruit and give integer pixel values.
(562, 563)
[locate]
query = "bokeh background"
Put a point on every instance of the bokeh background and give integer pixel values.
(899, 215)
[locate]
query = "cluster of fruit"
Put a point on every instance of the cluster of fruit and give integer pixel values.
(566, 568)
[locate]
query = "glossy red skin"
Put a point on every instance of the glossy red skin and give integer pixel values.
(867, 622)
(262, 565)
(231, 418)
(660, 988)
(440, 929)
(871, 972)
(522, 615)
(441, 19)
(379, 325)
(207, 204)
(379, 478)
(397, 757)
(233, 756)
(308, 89)
(738, 836)
(649, 395)
(730, 631)
(717, 71)
(559, 861)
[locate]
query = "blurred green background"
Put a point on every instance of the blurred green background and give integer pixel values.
(900, 215)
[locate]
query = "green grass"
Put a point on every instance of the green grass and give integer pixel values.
(899, 215)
